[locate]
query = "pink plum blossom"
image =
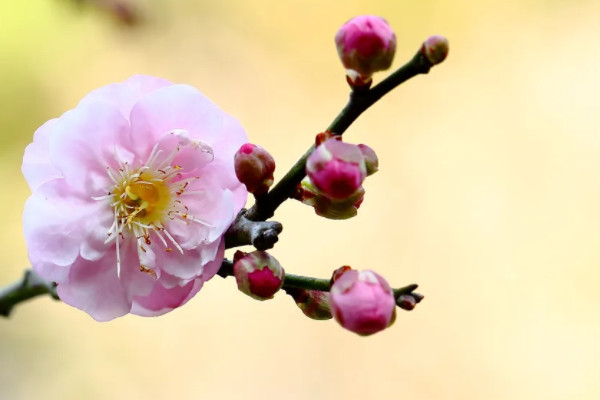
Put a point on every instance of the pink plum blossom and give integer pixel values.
(336, 169)
(362, 302)
(258, 274)
(366, 44)
(133, 191)
(254, 167)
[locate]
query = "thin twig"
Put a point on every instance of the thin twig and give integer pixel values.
(359, 101)
(31, 285)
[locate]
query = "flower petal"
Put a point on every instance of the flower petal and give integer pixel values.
(93, 286)
(52, 223)
(37, 165)
(174, 107)
(224, 149)
(85, 142)
(162, 300)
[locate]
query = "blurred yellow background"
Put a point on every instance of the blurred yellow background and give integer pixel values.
(488, 196)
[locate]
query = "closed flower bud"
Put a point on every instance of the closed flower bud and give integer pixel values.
(371, 159)
(435, 49)
(336, 169)
(362, 302)
(254, 167)
(366, 44)
(259, 275)
(331, 208)
(313, 303)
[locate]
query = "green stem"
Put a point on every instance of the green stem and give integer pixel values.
(30, 286)
(308, 282)
(359, 101)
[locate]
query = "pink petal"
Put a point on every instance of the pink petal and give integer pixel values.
(165, 298)
(84, 144)
(124, 95)
(52, 223)
(174, 107)
(162, 300)
(191, 155)
(192, 262)
(233, 138)
(93, 286)
(37, 165)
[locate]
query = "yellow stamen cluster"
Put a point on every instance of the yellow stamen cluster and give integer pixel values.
(144, 199)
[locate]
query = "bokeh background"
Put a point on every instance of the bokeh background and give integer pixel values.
(488, 197)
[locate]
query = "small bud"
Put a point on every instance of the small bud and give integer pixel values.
(406, 302)
(371, 159)
(362, 302)
(366, 44)
(254, 167)
(330, 208)
(357, 81)
(336, 169)
(313, 303)
(258, 274)
(435, 49)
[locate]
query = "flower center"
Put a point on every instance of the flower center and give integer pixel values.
(144, 200)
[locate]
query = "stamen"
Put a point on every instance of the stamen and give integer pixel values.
(118, 253)
(168, 235)
(106, 196)
(153, 155)
(148, 271)
(144, 226)
(199, 221)
(143, 197)
(162, 239)
(111, 175)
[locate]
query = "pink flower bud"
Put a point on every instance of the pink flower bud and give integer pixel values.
(336, 169)
(258, 274)
(366, 44)
(371, 159)
(254, 167)
(362, 302)
(331, 208)
(313, 303)
(435, 49)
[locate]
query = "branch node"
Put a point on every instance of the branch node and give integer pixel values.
(261, 234)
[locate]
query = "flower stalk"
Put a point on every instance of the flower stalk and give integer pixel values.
(30, 286)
